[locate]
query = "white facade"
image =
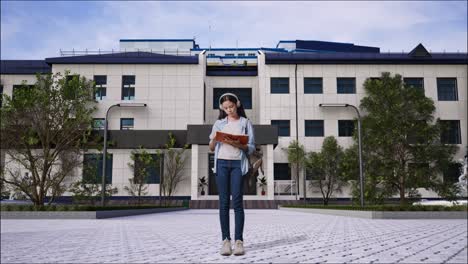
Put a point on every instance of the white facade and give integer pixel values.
(178, 95)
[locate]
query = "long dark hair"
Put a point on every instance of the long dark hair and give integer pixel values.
(230, 98)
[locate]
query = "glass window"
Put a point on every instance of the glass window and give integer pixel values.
(346, 85)
(252, 54)
(279, 85)
(417, 83)
(126, 123)
(98, 123)
(313, 86)
(100, 82)
(212, 187)
(241, 54)
(128, 87)
(452, 172)
(155, 169)
(229, 54)
(283, 127)
(244, 95)
(23, 87)
(92, 168)
(282, 171)
(71, 77)
(314, 128)
(345, 128)
(447, 89)
(419, 174)
(416, 126)
(450, 132)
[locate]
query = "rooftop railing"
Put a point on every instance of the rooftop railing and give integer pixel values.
(172, 52)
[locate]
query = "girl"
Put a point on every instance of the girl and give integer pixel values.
(230, 166)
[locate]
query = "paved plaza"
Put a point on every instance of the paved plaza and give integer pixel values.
(270, 236)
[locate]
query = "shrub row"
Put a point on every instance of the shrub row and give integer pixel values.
(385, 207)
(29, 207)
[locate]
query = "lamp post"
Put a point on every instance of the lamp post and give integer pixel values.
(104, 152)
(361, 173)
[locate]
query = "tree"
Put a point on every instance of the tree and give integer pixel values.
(402, 141)
(43, 128)
(326, 165)
(141, 166)
(296, 158)
(174, 163)
(88, 189)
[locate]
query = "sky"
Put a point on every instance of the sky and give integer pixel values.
(40, 29)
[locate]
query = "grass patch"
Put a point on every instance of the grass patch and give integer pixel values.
(384, 207)
(67, 207)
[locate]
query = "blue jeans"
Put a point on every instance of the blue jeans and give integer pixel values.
(229, 180)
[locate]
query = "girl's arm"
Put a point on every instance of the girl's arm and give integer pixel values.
(213, 141)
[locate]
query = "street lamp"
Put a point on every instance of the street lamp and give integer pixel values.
(104, 154)
(361, 173)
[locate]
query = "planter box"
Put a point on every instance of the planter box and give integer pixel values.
(384, 214)
(83, 214)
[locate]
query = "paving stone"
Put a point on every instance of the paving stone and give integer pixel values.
(270, 236)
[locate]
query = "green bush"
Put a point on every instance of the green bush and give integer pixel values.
(385, 207)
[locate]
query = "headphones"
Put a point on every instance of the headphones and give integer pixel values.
(238, 104)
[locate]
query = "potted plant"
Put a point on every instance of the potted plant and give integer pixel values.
(262, 183)
(202, 183)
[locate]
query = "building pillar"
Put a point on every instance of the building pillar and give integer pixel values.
(270, 173)
(194, 173)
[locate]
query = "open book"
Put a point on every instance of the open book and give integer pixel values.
(243, 139)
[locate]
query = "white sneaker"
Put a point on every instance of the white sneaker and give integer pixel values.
(226, 249)
(239, 248)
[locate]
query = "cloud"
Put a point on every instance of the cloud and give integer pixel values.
(36, 31)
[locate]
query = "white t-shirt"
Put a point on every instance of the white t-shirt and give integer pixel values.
(227, 151)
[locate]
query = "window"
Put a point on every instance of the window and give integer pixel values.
(279, 85)
(314, 128)
(417, 126)
(100, 82)
(345, 128)
(212, 187)
(211, 55)
(241, 54)
(252, 54)
(450, 132)
(313, 86)
(417, 83)
(283, 127)
(21, 87)
(126, 123)
(282, 171)
(244, 95)
(92, 168)
(346, 85)
(313, 175)
(98, 123)
(128, 87)
(71, 77)
(155, 169)
(419, 174)
(447, 89)
(452, 172)
(229, 54)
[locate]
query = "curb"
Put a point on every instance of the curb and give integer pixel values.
(83, 214)
(384, 214)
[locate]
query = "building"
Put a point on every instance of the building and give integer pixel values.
(280, 88)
